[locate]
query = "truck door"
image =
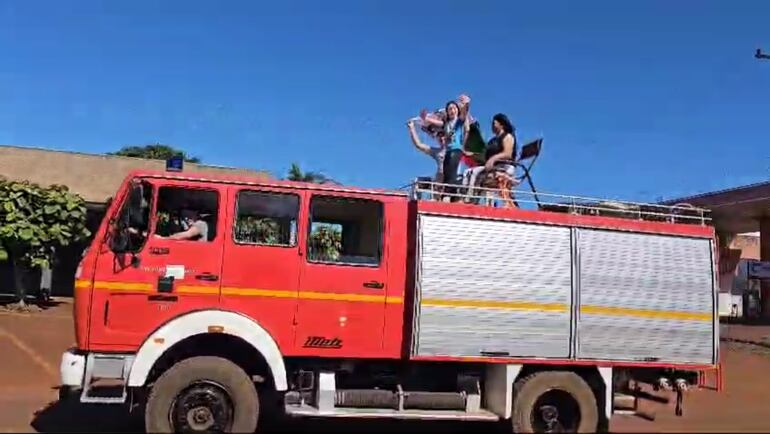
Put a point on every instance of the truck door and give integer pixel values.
(160, 277)
(261, 265)
(342, 290)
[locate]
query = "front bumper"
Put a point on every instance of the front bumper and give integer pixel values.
(72, 368)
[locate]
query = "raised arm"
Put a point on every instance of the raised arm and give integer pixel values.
(466, 129)
(430, 118)
(422, 147)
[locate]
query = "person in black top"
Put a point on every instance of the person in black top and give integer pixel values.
(500, 153)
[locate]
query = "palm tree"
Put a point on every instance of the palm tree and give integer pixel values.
(296, 174)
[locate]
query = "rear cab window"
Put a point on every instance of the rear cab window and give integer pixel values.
(345, 231)
(266, 218)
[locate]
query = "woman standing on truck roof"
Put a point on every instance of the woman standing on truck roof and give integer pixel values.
(450, 128)
(455, 129)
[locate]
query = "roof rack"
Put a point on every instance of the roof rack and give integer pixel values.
(423, 189)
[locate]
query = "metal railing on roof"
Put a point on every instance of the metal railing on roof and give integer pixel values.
(483, 196)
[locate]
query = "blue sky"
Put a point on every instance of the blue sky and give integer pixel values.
(635, 99)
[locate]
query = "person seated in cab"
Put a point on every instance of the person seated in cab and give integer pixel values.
(193, 227)
(500, 154)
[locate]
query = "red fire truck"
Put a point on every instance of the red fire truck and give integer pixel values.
(328, 301)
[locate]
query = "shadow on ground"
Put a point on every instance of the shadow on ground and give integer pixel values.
(10, 303)
(70, 416)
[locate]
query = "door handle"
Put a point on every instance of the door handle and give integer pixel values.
(162, 298)
(207, 277)
(374, 284)
(159, 250)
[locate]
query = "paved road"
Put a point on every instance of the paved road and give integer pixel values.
(32, 344)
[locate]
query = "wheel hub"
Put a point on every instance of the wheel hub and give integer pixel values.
(202, 407)
(200, 418)
(550, 415)
(556, 411)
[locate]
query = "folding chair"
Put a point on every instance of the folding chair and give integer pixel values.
(529, 152)
(505, 183)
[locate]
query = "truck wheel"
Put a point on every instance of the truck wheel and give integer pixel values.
(203, 394)
(554, 401)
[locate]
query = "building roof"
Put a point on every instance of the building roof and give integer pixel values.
(735, 210)
(92, 176)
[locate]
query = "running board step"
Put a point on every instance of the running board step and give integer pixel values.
(104, 392)
(106, 378)
(305, 410)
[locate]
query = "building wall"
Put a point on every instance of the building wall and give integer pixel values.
(748, 245)
(95, 178)
(742, 248)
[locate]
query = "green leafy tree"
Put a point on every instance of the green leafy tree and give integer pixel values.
(260, 230)
(35, 221)
(325, 243)
(155, 152)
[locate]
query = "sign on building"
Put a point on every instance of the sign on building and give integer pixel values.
(758, 270)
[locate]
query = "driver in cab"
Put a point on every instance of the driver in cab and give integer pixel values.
(194, 228)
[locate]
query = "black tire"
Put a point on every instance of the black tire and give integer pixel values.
(565, 391)
(191, 379)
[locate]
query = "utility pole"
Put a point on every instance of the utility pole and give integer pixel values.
(760, 55)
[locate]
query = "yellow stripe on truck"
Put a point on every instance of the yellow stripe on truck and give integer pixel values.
(82, 284)
(196, 290)
(434, 302)
(252, 292)
(646, 313)
(556, 307)
(495, 304)
(123, 286)
(247, 292)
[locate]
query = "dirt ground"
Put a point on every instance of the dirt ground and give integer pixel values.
(31, 346)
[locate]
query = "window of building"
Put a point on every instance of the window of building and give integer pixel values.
(345, 231)
(266, 219)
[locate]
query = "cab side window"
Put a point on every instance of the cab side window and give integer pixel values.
(187, 214)
(268, 219)
(345, 231)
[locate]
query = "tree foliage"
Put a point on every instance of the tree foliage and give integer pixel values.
(261, 230)
(296, 174)
(36, 220)
(325, 243)
(155, 152)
